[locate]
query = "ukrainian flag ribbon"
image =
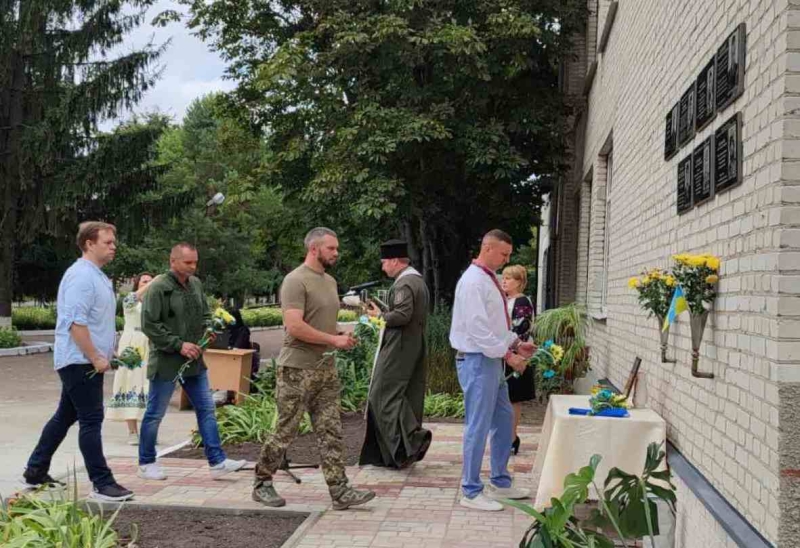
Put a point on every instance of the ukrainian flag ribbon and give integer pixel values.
(677, 306)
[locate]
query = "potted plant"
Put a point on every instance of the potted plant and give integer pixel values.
(627, 507)
(566, 327)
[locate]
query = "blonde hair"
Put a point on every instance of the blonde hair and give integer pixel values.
(517, 272)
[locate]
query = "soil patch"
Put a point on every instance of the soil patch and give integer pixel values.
(304, 450)
(178, 528)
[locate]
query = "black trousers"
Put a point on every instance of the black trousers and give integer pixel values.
(82, 402)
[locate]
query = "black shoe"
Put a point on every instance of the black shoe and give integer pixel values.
(111, 493)
(515, 445)
(34, 479)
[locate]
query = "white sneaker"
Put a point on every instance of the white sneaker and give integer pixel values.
(226, 467)
(151, 471)
(481, 502)
(513, 493)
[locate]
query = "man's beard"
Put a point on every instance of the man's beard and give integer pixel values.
(326, 263)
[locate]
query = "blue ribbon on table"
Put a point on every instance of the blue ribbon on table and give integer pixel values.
(614, 412)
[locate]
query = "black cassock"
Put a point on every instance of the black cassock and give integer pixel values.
(395, 436)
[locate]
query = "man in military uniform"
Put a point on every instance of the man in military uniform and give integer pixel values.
(395, 436)
(306, 377)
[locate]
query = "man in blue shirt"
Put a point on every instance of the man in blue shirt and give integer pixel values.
(84, 342)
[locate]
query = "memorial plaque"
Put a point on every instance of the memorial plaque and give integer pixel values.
(728, 154)
(685, 184)
(705, 109)
(730, 68)
(702, 170)
(671, 133)
(686, 116)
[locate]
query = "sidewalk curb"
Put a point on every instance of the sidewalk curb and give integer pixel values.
(27, 350)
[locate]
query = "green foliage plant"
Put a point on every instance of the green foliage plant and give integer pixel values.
(627, 507)
(566, 326)
(56, 518)
(9, 338)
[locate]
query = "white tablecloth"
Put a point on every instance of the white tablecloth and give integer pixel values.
(568, 441)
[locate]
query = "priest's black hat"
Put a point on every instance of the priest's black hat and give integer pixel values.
(394, 249)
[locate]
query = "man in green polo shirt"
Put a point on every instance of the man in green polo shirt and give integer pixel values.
(306, 377)
(174, 312)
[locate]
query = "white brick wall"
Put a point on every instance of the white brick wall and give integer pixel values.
(729, 426)
(695, 527)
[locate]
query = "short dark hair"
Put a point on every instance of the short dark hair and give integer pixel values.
(499, 235)
(138, 278)
(181, 245)
(316, 234)
(89, 231)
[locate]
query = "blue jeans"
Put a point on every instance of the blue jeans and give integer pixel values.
(82, 402)
(199, 393)
(488, 412)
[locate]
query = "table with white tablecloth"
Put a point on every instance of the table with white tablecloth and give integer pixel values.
(568, 441)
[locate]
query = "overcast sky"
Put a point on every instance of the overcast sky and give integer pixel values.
(191, 70)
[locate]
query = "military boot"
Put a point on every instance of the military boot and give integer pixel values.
(265, 493)
(345, 496)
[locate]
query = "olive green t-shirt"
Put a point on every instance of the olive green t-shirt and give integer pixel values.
(317, 296)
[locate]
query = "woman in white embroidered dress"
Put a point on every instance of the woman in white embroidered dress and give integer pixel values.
(131, 385)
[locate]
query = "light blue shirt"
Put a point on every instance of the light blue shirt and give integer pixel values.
(85, 297)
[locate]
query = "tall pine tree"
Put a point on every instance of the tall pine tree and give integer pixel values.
(58, 79)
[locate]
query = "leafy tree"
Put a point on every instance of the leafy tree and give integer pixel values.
(57, 80)
(426, 118)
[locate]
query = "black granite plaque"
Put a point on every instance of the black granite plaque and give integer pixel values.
(728, 154)
(685, 184)
(704, 96)
(686, 116)
(702, 170)
(671, 133)
(730, 68)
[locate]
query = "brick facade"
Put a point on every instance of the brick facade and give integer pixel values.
(742, 428)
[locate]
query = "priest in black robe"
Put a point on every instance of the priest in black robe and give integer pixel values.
(395, 437)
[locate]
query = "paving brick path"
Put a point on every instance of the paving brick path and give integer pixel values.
(417, 507)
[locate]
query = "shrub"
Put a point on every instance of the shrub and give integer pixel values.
(442, 375)
(33, 317)
(255, 417)
(355, 367)
(444, 405)
(9, 338)
(262, 317)
(272, 316)
(348, 316)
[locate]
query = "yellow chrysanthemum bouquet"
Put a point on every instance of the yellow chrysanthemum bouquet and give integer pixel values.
(698, 275)
(655, 288)
(220, 320)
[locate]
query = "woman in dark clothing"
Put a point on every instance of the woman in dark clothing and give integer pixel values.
(520, 309)
(240, 338)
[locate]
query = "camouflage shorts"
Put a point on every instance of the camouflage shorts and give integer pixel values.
(298, 391)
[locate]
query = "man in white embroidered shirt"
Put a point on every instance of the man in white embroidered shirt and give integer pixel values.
(481, 334)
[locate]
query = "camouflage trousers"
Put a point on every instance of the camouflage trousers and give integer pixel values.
(315, 391)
